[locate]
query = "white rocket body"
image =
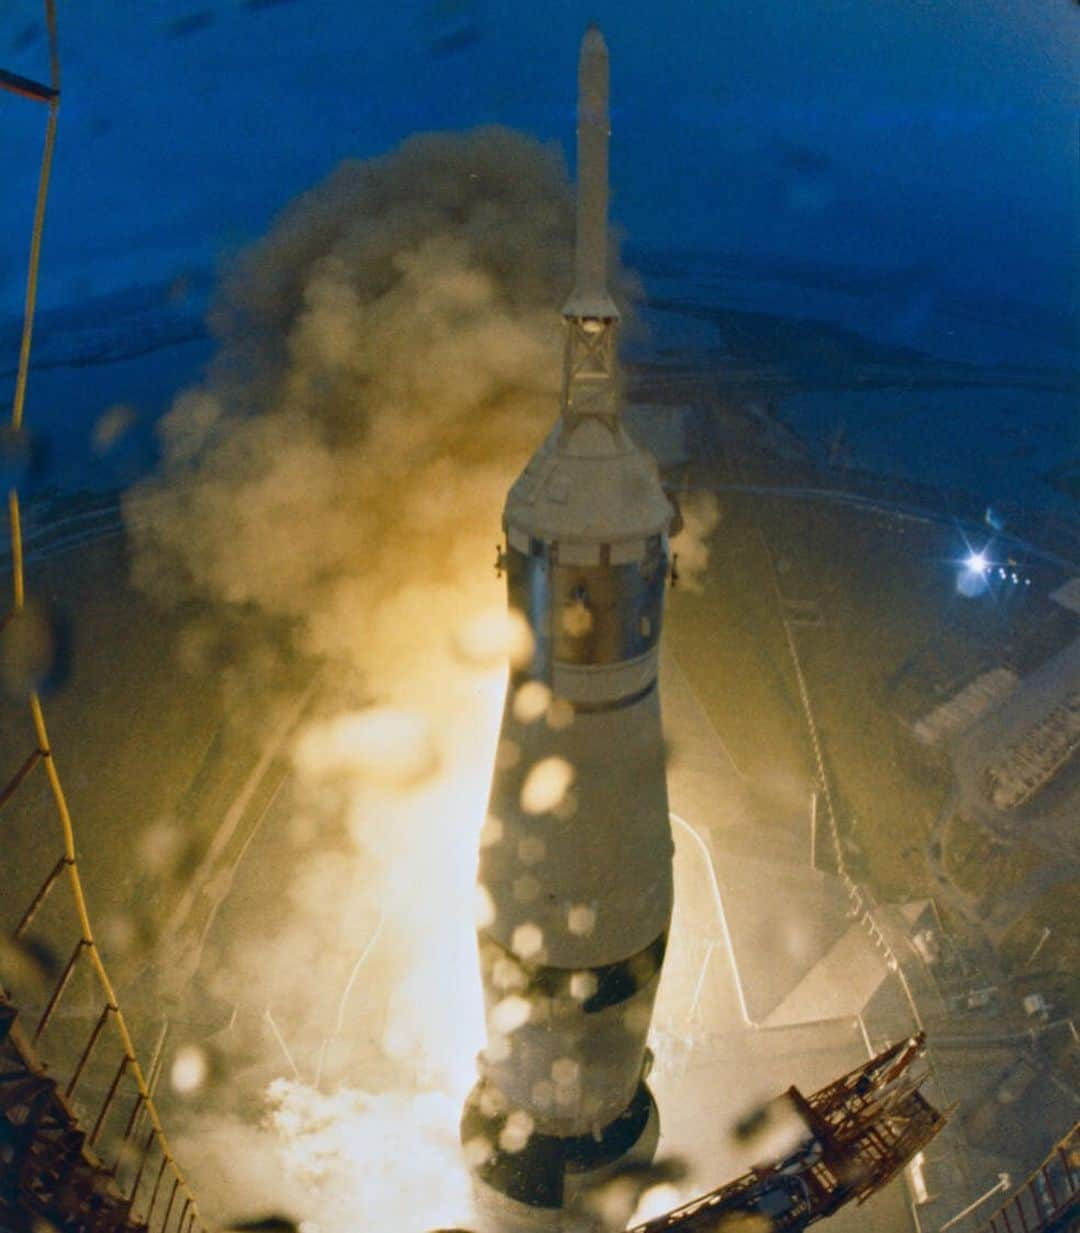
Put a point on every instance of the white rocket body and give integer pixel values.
(579, 884)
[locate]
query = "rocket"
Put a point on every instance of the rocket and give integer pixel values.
(575, 867)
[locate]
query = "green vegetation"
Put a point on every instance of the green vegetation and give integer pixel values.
(730, 641)
(876, 600)
(979, 862)
(862, 601)
(1055, 971)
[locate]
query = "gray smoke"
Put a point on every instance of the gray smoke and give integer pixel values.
(388, 357)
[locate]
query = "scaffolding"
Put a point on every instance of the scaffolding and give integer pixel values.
(859, 1132)
(1049, 1201)
(73, 1155)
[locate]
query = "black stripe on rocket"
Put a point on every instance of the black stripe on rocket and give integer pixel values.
(536, 1174)
(610, 983)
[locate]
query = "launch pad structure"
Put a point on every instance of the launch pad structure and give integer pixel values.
(859, 1132)
(1049, 1200)
(582, 1079)
(86, 1153)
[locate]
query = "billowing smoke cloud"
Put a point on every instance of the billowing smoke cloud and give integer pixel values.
(388, 357)
(692, 546)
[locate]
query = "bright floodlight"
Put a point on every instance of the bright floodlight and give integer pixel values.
(977, 562)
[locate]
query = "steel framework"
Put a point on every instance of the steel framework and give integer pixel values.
(119, 1175)
(860, 1131)
(1049, 1201)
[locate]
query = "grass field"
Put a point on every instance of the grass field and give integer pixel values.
(1055, 969)
(730, 641)
(979, 862)
(883, 636)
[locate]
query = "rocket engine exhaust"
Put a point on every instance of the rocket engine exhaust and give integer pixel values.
(575, 867)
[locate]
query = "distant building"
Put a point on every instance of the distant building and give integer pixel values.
(1026, 767)
(976, 699)
(1068, 595)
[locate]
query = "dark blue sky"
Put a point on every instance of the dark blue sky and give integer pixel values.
(936, 139)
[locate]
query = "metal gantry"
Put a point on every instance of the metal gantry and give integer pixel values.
(82, 1147)
(860, 1131)
(1049, 1201)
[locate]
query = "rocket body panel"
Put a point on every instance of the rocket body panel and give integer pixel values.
(574, 1071)
(584, 613)
(597, 878)
(531, 1191)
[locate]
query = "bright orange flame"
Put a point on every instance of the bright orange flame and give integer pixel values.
(415, 780)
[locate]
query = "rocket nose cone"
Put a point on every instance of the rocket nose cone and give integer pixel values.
(593, 43)
(593, 75)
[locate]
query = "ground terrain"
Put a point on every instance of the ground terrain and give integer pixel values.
(164, 723)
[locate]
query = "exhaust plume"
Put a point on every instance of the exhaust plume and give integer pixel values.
(388, 356)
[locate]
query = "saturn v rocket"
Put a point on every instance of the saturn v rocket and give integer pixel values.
(575, 868)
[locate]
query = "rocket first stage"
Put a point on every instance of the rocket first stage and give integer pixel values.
(575, 863)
